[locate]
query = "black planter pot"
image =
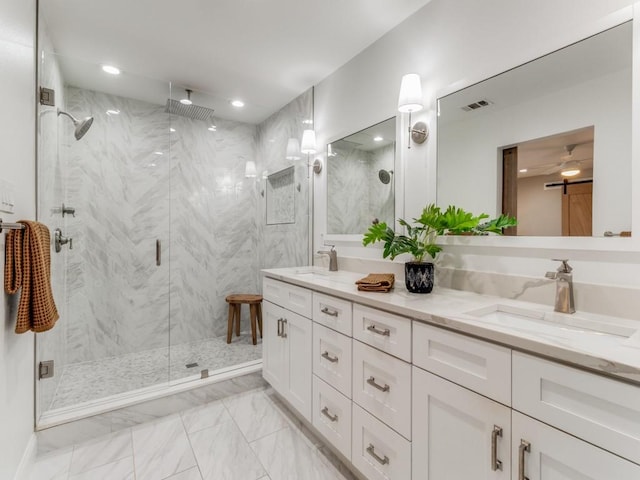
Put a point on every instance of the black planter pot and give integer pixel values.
(418, 277)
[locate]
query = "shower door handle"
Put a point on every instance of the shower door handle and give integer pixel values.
(158, 253)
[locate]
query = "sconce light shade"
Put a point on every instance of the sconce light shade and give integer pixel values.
(410, 99)
(308, 145)
(250, 170)
(293, 149)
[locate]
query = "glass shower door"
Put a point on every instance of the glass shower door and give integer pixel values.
(106, 189)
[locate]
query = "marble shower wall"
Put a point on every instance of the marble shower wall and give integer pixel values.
(51, 345)
(214, 235)
(132, 183)
(356, 196)
(284, 245)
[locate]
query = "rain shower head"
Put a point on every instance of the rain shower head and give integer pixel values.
(385, 176)
(188, 110)
(82, 126)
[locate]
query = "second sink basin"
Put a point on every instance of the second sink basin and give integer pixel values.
(548, 322)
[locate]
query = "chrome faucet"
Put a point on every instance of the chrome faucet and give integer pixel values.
(333, 257)
(564, 287)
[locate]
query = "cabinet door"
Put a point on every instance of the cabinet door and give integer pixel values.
(297, 334)
(275, 354)
(453, 432)
(555, 455)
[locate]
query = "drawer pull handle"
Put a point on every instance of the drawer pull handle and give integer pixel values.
(381, 460)
(325, 412)
(372, 381)
(495, 433)
(329, 357)
(279, 327)
(284, 322)
(385, 333)
(331, 313)
(524, 447)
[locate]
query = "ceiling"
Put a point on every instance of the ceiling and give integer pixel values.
(265, 53)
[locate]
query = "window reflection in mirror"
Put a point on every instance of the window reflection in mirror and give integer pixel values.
(570, 107)
(361, 179)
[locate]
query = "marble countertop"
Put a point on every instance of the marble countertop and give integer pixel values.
(608, 345)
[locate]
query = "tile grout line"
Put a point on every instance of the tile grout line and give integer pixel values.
(133, 454)
(190, 445)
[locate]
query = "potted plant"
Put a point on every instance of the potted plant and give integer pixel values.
(420, 239)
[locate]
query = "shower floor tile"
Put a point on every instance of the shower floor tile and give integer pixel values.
(87, 381)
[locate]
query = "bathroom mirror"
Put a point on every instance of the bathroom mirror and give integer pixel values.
(361, 179)
(504, 143)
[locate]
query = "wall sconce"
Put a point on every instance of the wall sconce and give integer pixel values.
(410, 100)
(308, 146)
(293, 149)
(250, 170)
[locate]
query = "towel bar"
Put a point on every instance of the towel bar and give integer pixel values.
(10, 226)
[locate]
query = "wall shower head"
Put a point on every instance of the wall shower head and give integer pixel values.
(82, 126)
(385, 176)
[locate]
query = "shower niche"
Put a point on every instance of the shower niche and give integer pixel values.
(361, 179)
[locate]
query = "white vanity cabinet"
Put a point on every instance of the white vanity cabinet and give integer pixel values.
(287, 344)
(457, 434)
(541, 452)
(407, 400)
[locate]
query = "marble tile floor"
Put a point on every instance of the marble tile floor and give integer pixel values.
(87, 381)
(249, 436)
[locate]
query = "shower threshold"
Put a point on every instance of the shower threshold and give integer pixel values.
(91, 408)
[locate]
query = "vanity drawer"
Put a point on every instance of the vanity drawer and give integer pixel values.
(377, 451)
(332, 416)
(332, 358)
(291, 297)
(332, 312)
(600, 410)
(479, 366)
(382, 385)
(390, 333)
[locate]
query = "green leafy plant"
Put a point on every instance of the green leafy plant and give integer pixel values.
(421, 236)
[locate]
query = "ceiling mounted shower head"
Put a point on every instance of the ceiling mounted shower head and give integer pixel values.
(385, 176)
(82, 126)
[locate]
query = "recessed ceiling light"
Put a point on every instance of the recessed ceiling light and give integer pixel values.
(111, 69)
(572, 172)
(377, 138)
(237, 103)
(187, 99)
(113, 112)
(212, 128)
(158, 153)
(523, 170)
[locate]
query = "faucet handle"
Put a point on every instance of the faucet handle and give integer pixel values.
(565, 267)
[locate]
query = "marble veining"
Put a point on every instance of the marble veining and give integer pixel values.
(203, 443)
(617, 356)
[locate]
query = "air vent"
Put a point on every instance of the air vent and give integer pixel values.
(477, 105)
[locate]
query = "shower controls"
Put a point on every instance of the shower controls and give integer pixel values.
(59, 240)
(68, 210)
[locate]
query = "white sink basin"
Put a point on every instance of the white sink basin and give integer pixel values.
(552, 323)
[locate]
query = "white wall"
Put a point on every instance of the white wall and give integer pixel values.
(453, 44)
(17, 165)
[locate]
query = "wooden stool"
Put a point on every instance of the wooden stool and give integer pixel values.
(235, 301)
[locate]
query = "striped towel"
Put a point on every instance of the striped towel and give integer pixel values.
(28, 266)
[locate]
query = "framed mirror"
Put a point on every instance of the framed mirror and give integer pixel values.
(361, 185)
(508, 144)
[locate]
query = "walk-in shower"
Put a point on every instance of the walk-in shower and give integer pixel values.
(166, 225)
